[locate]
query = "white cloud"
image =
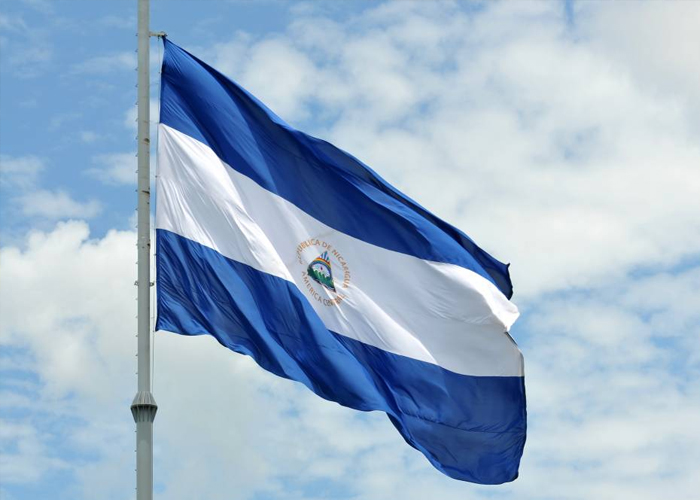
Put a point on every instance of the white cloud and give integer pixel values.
(101, 65)
(60, 120)
(120, 22)
(12, 23)
(19, 179)
(131, 115)
(25, 456)
(25, 45)
(56, 205)
(63, 307)
(114, 168)
(655, 43)
(42, 6)
(30, 61)
(88, 136)
(282, 74)
(19, 171)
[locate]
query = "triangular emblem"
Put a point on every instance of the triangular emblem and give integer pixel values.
(320, 271)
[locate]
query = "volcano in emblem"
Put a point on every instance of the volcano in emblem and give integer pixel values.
(320, 271)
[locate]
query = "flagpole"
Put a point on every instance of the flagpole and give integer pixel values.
(144, 407)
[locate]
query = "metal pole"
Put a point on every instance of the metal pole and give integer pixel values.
(144, 407)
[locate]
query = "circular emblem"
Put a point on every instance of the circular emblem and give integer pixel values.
(325, 272)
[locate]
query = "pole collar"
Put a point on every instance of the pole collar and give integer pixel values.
(144, 407)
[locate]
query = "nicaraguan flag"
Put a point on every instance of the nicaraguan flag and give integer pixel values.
(289, 250)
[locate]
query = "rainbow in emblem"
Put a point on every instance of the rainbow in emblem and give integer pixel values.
(320, 271)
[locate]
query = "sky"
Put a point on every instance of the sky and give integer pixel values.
(561, 136)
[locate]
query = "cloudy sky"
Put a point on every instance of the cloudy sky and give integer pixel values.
(561, 136)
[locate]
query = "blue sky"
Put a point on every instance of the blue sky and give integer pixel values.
(561, 136)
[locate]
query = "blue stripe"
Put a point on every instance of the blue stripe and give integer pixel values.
(323, 181)
(471, 428)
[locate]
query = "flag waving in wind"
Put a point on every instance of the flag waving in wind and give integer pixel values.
(289, 250)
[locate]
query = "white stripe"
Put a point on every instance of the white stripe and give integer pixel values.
(434, 312)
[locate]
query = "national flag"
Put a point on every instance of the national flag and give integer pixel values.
(287, 249)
